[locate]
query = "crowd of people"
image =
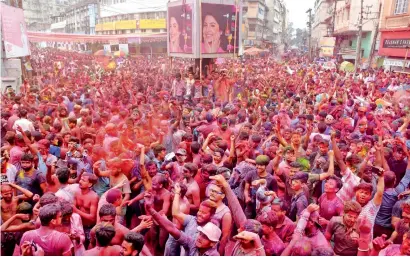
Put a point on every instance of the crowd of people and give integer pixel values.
(256, 157)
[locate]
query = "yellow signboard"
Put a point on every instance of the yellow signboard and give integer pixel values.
(326, 51)
(327, 41)
(153, 24)
(126, 24)
(98, 27)
(109, 26)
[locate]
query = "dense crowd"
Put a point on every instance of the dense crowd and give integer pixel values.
(257, 157)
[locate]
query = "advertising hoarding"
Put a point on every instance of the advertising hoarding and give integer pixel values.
(126, 24)
(124, 48)
(180, 28)
(396, 43)
(153, 24)
(327, 45)
(220, 31)
(14, 32)
(214, 33)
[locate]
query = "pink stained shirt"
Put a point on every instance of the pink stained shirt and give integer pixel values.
(54, 243)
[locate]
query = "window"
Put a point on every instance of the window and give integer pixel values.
(252, 27)
(156, 30)
(143, 30)
(401, 6)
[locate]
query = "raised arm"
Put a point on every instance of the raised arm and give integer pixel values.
(160, 219)
(279, 135)
(7, 227)
(338, 154)
(27, 141)
(176, 212)
(233, 202)
(232, 149)
(27, 194)
(146, 178)
(331, 170)
(98, 172)
(378, 197)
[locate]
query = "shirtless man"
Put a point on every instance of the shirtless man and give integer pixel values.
(107, 214)
(104, 233)
(192, 193)
(9, 202)
(162, 203)
(85, 204)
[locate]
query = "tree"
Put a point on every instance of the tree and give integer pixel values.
(300, 38)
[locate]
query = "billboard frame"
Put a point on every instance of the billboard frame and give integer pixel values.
(197, 32)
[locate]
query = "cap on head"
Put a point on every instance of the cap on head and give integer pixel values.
(211, 231)
(181, 151)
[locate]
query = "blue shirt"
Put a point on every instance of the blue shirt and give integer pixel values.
(103, 183)
(390, 197)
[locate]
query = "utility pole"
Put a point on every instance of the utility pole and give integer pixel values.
(309, 23)
(359, 38)
(334, 18)
(376, 32)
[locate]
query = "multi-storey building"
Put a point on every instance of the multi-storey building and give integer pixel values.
(254, 21)
(81, 18)
(395, 34)
(125, 18)
(38, 13)
(264, 23)
(276, 20)
(340, 19)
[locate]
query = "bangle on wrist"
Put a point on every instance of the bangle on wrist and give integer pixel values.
(361, 250)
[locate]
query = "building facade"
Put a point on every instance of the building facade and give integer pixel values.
(340, 19)
(136, 19)
(38, 13)
(264, 23)
(395, 34)
(322, 25)
(81, 18)
(277, 23)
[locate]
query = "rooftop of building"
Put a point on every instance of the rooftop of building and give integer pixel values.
(133, 6)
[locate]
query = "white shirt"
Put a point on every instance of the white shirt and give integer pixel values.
(189, 84)
(68, 192)
(25, 124)
(10, 175)
(369, 212)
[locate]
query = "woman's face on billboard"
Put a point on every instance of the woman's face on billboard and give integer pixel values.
(174, 29)
(210, 29)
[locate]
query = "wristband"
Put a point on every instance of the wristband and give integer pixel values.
(360, 250)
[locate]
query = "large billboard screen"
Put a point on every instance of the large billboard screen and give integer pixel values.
(204, 28)
(220, 33)
(180, 28)
(14, 32)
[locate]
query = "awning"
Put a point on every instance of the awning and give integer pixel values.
(396, 62)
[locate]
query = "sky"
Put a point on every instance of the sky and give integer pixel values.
(297, 11)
